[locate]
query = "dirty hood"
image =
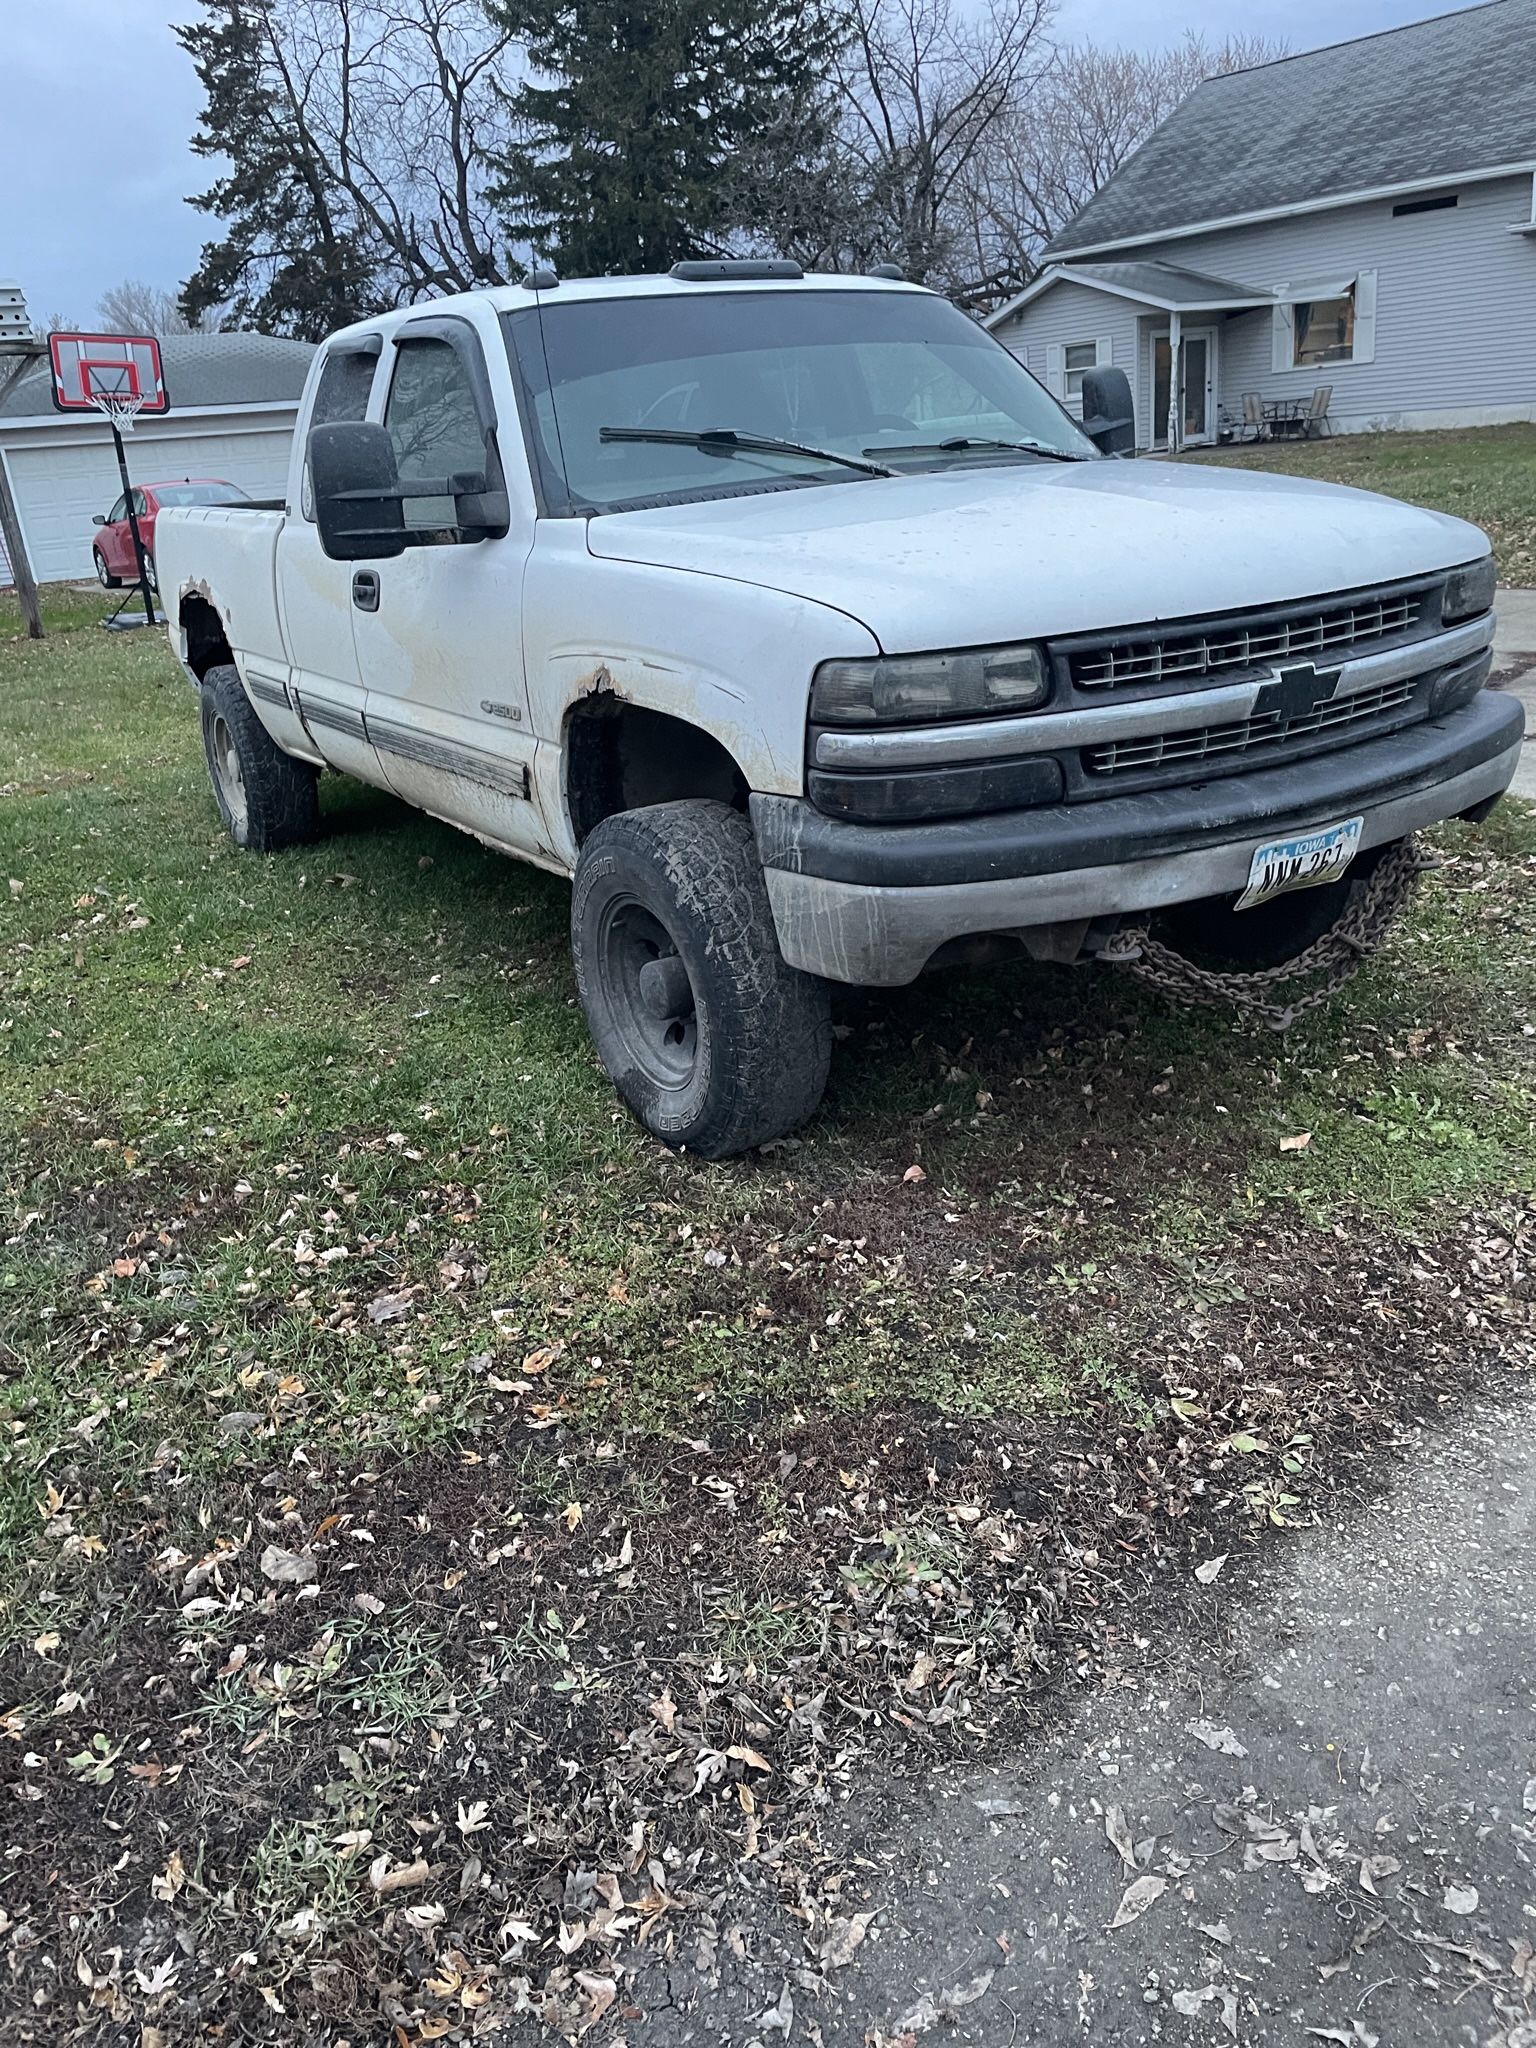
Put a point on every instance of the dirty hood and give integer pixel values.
(993, 554)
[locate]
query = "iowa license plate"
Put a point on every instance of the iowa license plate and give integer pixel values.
(1303, 863)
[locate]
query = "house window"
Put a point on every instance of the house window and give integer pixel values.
(1325, 330)
(1077, 357)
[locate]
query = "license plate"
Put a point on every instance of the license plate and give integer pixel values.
(1303, 863)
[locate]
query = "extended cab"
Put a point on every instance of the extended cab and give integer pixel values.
(794, 620)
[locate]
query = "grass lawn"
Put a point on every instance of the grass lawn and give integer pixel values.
(1485, 474)
(442, 1534)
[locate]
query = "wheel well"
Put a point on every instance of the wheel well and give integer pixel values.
(620, 757)
(203, 635)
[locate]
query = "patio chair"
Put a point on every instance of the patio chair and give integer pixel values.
(1317, 421)
(1254, 423)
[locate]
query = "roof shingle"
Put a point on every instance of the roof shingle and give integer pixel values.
(1429, 101)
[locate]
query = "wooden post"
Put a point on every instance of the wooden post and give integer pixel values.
(10, 529)
(1175, 382)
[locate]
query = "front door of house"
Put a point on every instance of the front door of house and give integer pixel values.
(1197, 380)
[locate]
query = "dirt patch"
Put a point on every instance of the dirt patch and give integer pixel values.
(437, 1746)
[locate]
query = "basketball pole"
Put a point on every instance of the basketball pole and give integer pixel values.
(133, 524)
(10, 529)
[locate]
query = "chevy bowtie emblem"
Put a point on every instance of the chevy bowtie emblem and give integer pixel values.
(1295, 690)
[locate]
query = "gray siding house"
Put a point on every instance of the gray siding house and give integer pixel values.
(1360, 220)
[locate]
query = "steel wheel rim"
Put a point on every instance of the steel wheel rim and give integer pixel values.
(226, 770)
(650, 994)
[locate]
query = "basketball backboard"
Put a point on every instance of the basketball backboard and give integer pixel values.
(116, 374)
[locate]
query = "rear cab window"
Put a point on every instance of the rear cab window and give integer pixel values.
(345, 386)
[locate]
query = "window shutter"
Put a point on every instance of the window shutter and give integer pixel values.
(1056, 369)
(1365, 317)
(1284, 338)
(1104, 349)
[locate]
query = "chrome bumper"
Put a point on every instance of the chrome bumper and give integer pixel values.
(1050, 732)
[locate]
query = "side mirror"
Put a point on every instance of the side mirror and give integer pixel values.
(355, 483)
(1109, 417)
(98, 519)
(481, 508)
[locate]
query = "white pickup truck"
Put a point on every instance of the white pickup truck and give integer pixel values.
(793, 619)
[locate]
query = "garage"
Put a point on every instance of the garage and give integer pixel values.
(234, 401)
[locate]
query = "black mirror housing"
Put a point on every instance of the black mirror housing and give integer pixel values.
(355, 483)
(1109, 416)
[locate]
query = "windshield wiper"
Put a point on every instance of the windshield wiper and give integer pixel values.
(727, 441)
(958, 444)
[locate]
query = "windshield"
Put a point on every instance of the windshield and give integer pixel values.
(884, 378)
(198, 494)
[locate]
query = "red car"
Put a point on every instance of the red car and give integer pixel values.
(112, 549)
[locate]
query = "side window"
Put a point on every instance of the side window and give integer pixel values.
(139, 507)
(119, 511)
(346, 381)
(432, 420)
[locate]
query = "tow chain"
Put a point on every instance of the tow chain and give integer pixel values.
(1337, 956)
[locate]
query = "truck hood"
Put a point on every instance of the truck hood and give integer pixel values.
(982, 555)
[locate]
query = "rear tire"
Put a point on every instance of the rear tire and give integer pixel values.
(713, 1041)
(104, 575)
(267, 799)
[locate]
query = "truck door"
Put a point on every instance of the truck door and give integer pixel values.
(315, 594)
(438, 629)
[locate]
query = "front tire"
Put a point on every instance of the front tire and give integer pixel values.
(267, 799)
(104, 575)
(713, 1041)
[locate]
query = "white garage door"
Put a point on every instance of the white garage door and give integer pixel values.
(59, 480)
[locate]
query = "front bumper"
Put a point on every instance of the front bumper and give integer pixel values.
(871, 904)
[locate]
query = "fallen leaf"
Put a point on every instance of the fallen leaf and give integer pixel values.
(842, 1939)
(1215, 1737)
(288, 1567)
(571, 1514)
(1299, 1143)
(914, 1173)
(780, 2016)
(384, 1880)
(1135, 1899)
(1460, 1898)
(472, 1818)
(600, 1992)
(389, 1308)
(1209, 1572)
(1120, 1836)
(929, 2009)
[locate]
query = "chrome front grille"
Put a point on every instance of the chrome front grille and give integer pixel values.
(1157, 750)
(1213, 649)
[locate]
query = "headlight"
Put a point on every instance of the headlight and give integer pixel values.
(912, 687)
(1469, 591)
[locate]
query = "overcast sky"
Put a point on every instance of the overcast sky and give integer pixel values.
(100, 101)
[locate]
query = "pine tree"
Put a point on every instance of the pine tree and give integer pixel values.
(641, 127)
(293, 260)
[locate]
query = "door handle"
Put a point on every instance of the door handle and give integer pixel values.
(365, 589)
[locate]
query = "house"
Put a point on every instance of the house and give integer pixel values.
(1359, 220)
(234, 401)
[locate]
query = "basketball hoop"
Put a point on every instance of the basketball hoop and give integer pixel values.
(120, 377)
(111, 395)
